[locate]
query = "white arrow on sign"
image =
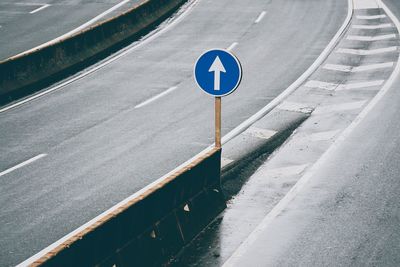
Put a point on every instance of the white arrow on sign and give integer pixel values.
(217, 67)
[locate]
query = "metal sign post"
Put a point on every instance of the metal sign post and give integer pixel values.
(218, 73)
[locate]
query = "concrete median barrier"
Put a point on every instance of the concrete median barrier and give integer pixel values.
(25, 70)
(149, 228)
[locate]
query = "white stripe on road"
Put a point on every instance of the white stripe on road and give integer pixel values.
(360, 85)
(348, 86)
(371, 38)
(372, 17)
(260, 17)
(232, 46)
(323, 136)
(286, 171)
(154, 98)
(260, 133)
(295, 107)
(40, 8)
(29, 161)
(225, 162)
(373, 27)
(365, 4)
(345, 68)
(339, 107)
(364, 52)
(321, 85)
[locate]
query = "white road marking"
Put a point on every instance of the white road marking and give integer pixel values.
(364, 52)
(345, 68)
(296, 107)
(372, 17)
(365, 4)
(360, 85)
(260, 133)
(154, 98)
(371, 38)
(29, 161)
(225, 162)
(373, 27)
(260, 17)
(40, 8)
(232, 46)
(323, 136)
(286, 171)
(339, 107)
(283, 203)
(321, 85)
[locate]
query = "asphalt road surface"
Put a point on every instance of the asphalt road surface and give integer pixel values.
(92, 143)
(26, 24)
(349, 212)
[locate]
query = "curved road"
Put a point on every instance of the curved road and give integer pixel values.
(98, 146)
(26, 24)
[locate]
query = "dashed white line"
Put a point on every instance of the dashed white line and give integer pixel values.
(260, 133)
(364, 52)
(373, 27)
(372, 17)
(371, 38)
(39, 9)
(29, 161)
(260, 17)
(145, 103)
(345, 68)
(232, 46)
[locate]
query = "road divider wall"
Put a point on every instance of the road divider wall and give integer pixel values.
(19, 72)
(150, 228)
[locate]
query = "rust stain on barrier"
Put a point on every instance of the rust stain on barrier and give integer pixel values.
(121, 209)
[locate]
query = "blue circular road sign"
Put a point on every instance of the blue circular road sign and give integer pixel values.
(218, 72)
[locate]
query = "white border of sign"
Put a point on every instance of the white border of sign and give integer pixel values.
(237, 61)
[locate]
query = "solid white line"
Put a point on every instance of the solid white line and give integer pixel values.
(147, 39)
(371, 38)
(260, 17)
(360, 85)
(29, 161)
(260, 133)
(372, 17)
(277, 210)
(232, 46)
(373, 27)
(40, 8)
(345, 68)
(239, 129)
(154, 98)
(70, 33)
(364, 52)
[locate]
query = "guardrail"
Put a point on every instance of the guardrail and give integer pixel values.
(149, 228)
(24, 70)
